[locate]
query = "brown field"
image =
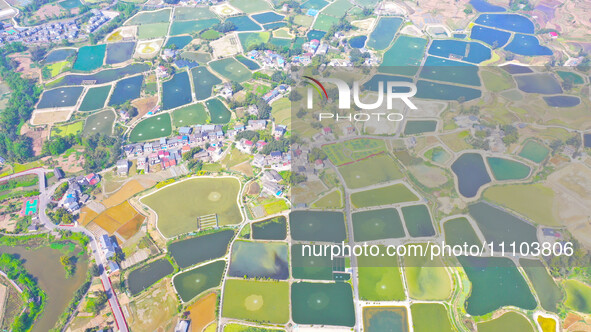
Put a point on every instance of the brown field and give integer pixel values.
(244, 168)
(129, 189)
(203, 312)
(144, 105)
(24, 65)
(225, 46)
(155, 309)
(86, 216)
(48, 11)
(572, 185)
(253, 189)
(51, 116)
(38, 137)
(113, 218)
(131, 227)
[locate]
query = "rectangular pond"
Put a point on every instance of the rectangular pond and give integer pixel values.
(201, 248)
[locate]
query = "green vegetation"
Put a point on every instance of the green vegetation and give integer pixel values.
(429, 317)
(511, 321)
(32, 294)
(426, 279)
(257, 301)
(578, 296)
(379, 279)
(370, 171)
(392, 194)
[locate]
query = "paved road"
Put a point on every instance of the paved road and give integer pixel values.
(44, 199)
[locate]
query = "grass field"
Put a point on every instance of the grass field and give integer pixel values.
(370, 171)
(156, 16)
(338, 8)
(379, 279)
(234, 158)
(429, 317)
(69, 129)
(152, 30)
(393, 194)
(427, 279)
(456, 141)
(111, 219)
(58, 68)
(190, 115)
(231, 69)
(281, 111)
(251, 6)
(303, 20)
(534, 201)
(324, 22)
(353, 150)
(259, 301)
(179, 205)
(101, 122)
(578, 296)
(153, 127)
(184, 27)
(496, 82)
(248, 39)
(333, 200)
(192, 13)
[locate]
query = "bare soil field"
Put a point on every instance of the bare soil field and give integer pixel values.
(225, 46)
(51, 116)
(38, 136)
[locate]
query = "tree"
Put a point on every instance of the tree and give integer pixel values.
(95, 270)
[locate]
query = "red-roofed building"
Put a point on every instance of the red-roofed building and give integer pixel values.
(553, 34)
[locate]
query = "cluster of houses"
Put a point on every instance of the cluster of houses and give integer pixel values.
(109, 249)
(268, 58)
(70, 30)
(270, 181)
(73, 198)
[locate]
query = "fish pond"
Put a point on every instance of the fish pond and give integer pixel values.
(484, 7)
(244, 23)
(490, 36)
(440, 91)
(306, 265)
(378, 319)
(60, 97)
(450, 71)
(90, 57)
(497, 226)
(414, 127)
(542, 83)
(250, 64)
(254, 300)
(178, 42)
(267, 17)
(59, 55)
(377, 225)
(147, 275)
(496, 282)
(231, 69)
(315, 34)
(426, 279)
(534, 151)
(201, 248)
(322, 304)
(151, 128)
(587, 140)
(270, 229)
(218, 112)
(104, 76)
(100, 122)
(471, 173)
(507, 169)
(459, 231)
(190, 115)
(438, 155)
(527, 45)
(191, 283)
(467, 51)
(95, 98)
(43, 263)
(418, 220)
(384, 32)
(510, 321)
(259, 260)
(176, 92)
(562, 101)
(510, 22)
(126, 89)
(548, 292)
(380, 278)
(404, 57)
(119, 52)
(358, 41)
(578, 296)
(317, 226)
(203, 81)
